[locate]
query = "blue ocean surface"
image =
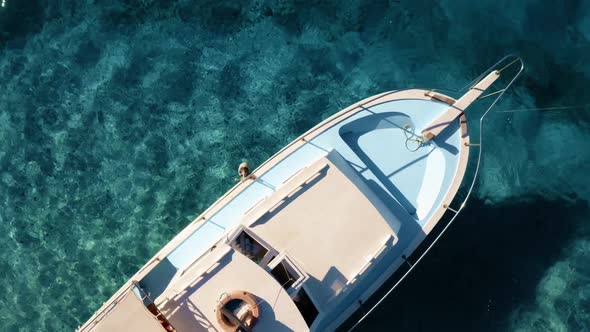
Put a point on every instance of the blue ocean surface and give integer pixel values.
(120, 121)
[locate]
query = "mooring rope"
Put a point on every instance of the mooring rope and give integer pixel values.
(411, 136)
(554, 108)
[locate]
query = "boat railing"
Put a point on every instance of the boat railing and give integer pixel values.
(503, 64)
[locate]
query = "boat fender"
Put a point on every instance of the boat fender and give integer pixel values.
(244, 171)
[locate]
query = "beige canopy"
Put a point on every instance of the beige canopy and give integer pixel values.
(128, 315)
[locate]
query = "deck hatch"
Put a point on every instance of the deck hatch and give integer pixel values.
(248, 244)
(249, 247)
(284, 273)
(306, 307)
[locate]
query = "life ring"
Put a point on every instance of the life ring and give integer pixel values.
(242, 306)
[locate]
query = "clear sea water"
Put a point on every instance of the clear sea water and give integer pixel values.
(120, 121)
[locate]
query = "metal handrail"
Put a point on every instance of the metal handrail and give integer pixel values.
(503, 63)
(109, 306)
(106, 308)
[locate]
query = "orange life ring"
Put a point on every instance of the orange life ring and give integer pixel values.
(247, 316)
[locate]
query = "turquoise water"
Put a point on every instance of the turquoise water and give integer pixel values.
(122, 121)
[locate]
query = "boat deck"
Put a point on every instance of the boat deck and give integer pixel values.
(352, 227)
(330, 213)
(379, 157)
(194, 309)
(370, 141)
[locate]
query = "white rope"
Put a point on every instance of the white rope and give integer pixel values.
(555, 108)
(412, 137)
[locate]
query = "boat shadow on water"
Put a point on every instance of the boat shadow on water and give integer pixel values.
(483, 270)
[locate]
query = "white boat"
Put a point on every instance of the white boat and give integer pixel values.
(305, 240)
